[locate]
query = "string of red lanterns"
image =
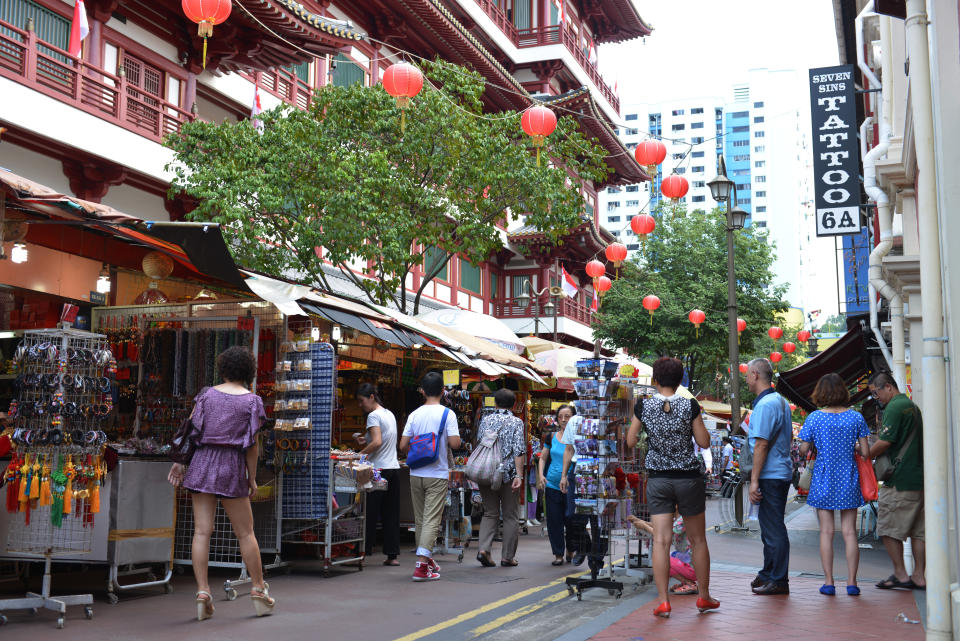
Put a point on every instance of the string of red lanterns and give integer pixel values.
(674, 187)
(603, 285)
(642, 225)
(697, 317)
(651, 303)
(403, 81)
(616, 253)
(789, 347)
(650, 153)
(538, 122)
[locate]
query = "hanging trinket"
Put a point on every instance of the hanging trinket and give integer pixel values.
(70, 472)
(46, 497)
(58, 485)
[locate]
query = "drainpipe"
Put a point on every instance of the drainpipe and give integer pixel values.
(935, 419)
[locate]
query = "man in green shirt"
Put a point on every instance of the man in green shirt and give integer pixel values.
(900, 514)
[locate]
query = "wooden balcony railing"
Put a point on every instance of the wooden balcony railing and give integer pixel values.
(548, 35)
(565, 308)
(55, 73)
(284, 85)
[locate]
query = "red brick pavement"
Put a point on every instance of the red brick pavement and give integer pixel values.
(803, 615)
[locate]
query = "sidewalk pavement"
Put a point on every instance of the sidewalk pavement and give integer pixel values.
(804, 615)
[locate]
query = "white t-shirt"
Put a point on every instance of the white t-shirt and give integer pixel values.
(728, 456)
(570, 436)
(425, 420)
(385, 458)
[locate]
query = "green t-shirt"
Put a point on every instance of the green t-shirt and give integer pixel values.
(899, 419)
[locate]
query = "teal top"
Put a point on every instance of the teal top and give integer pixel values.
(555, 469)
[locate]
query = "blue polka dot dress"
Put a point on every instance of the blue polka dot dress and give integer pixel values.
(836, 483)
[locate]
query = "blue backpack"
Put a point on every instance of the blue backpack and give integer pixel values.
(425, 448)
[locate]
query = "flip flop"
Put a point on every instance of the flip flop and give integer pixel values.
(892, 582)
(913, 586)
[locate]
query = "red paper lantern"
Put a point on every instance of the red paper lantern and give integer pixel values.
(651, 303)
(697, 317)
(643, 224)
(595, 269)
(206, 13)
(741, 325)
(674, 187)
(803, 336)
(538, 122)
(603, 285)
(403, 81)
(650, 153)
(776, 357)
(616, 253)
(789, 347)
(775, 332)
(744, 368)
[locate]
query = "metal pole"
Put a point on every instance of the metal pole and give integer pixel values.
(556, 309)
(734, 350)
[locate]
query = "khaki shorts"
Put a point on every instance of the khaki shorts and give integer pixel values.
(900, 514)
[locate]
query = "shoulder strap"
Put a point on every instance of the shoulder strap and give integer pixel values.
(905, 446)
(443, 421)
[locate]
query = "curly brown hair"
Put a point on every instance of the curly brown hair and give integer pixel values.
(830, 391)
(668, 372)
(238, 365)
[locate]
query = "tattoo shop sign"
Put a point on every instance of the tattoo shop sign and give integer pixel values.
(836, 162)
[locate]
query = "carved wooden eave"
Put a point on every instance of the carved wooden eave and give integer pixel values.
(613, 20)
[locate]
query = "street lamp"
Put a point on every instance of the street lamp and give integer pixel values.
(524, 297)
(724, 190)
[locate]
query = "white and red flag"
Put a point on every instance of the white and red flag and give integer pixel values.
(79, 29)
(592, 56)
(595, 304)
(256, 110)
(559, 5)
(568, 284)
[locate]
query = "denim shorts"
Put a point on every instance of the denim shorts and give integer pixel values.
(666, 495)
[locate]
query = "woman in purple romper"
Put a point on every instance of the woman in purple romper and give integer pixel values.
(224, 466)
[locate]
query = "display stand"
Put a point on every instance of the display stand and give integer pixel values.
(603, 407)
(307, 372)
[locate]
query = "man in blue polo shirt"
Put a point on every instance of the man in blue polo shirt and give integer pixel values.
(770, 436)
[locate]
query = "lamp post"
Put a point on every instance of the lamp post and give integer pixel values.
(549, 308)
(724, 190)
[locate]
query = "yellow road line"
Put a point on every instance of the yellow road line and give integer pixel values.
(472, 614)
(516, 614)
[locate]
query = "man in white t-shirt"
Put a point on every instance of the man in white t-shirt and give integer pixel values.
(727, 454)
(428, 484)
(380, 445)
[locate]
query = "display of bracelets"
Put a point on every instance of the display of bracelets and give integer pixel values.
(54, 435)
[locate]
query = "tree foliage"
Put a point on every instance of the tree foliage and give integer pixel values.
(342, 177)
(684, 263)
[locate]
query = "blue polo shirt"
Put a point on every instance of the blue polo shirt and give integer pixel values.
(771, 420)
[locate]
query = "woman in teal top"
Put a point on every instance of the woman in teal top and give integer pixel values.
(555, 501)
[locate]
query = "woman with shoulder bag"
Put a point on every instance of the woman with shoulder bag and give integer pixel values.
(673, 424)
(550, 471)
(224, 466)
(836, 432)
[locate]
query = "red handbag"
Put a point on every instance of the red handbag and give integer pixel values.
(868, 480)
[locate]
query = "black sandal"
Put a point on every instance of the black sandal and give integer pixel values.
(485, 560)
(892, 582)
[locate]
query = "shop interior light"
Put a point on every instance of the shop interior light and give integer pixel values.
(103, 282)
(417, 345)
(335, 334)
(19, 254)
(315, 334)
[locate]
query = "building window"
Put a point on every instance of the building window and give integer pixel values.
(520, 285)
(741, 143)
(632, 188)
(760, 224)
(761, 179)
(697, 170)
(758, 119)
(679, 127)
(698, 154)
(633, 203)
(677, 156)
(632, 132)
(740, 130)
(633, 247)
(49, 26)
(698, 183)
(680, 170)
(301, 71)
(743, 187)
(696, 125)
(740, 114)
(696, 110)
(630, 117)
(741, 172)
(741, 158)
(761, 209)
(760, 148)
(434, 256)
(613, 205)
(678, 112)
(761, 194)
(631, 145)
(743, 201)
(494, 285)
(758, 105)
(697, 140)
(613, 190)
(613, 219)
(345, 72)
(699, 199)
(471, 277)
(758, 134)
(759, 163)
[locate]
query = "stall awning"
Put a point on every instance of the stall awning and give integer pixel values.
(849, 357)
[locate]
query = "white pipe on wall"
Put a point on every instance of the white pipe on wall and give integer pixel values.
(933, 368)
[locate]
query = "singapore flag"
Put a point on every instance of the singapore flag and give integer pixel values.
(79, 29)
(569, 286)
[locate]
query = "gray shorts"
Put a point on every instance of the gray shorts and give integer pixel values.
(667, 495)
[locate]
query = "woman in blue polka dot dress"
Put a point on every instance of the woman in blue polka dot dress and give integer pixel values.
(835, 432)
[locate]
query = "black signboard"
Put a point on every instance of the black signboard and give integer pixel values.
(836, 160)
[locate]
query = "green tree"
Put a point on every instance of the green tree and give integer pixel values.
(342, 176)
(684, 263)
(835, 324)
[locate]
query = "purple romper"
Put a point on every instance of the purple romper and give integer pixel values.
(229, 423)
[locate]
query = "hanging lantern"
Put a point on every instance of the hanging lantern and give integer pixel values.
(697, 317)
(674, 187)
(803, 336)
(789, 347)
(651, 303)
(595, 270)
(775, 332)
(741, 325)
(744, 368)
(206, 13)
(157, 265)
(642, 225)
(403, 81)
(776, 357)
(538, 122)
(603, 285)
(616, 253)
(650, 153)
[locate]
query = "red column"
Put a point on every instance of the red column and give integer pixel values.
(94, 47)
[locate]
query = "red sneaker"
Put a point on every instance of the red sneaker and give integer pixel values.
(663, 610)
(434, 567)
(703, 605)
(424, 573)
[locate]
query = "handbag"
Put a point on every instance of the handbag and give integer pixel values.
(425, 448)
(806, 476)
(884, 467)
(868, 480)
(185, 441)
